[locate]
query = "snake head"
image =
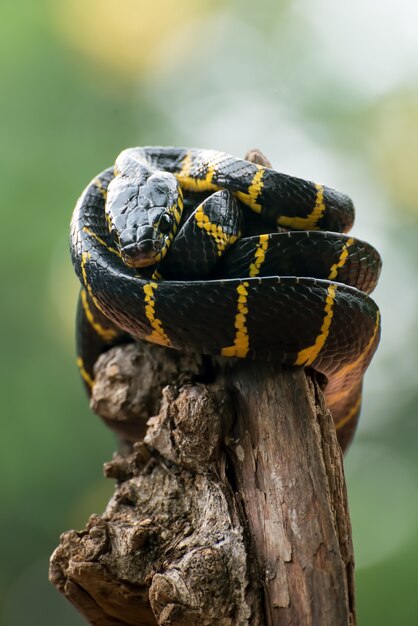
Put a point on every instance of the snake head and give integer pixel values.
(143, 216)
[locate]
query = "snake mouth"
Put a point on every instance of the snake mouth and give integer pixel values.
(141, 254)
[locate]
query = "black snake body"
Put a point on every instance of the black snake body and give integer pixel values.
(212, 282)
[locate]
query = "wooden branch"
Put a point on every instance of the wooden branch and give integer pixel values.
(232, 511)
(289, 474)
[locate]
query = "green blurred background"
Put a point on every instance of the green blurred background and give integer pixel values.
(329, 91)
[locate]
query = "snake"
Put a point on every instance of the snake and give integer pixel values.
(200, 251)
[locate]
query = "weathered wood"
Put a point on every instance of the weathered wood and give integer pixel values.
(289, 475)
(173, 526)
(232, 512)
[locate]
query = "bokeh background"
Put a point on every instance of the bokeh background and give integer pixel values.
(329, 91)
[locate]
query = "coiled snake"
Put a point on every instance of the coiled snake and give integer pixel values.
(201, 251)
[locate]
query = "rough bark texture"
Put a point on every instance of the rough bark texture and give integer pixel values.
(289, 474)
(231, 511)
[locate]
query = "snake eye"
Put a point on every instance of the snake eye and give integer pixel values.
(165, 223)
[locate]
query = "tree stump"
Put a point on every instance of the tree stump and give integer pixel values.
(233, 509)
(230, 504)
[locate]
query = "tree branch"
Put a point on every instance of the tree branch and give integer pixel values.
(232, 512)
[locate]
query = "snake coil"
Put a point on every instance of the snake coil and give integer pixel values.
(200, 251)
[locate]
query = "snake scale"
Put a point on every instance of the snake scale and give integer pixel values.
(201, 251)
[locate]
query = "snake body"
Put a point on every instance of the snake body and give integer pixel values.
(221, 280)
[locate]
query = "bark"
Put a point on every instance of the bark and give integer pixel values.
(232, 509)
